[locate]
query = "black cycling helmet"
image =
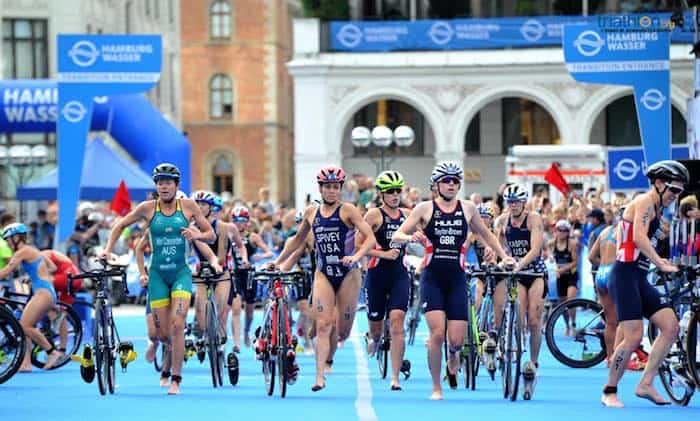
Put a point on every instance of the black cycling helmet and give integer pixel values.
(668, 170)
(166, 171)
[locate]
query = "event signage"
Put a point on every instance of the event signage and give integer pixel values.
(92, 66)
(626, 167)
(462, 34)
(635, 58)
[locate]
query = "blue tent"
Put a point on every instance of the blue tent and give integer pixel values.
(103, 170)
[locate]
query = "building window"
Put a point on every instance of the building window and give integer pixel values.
(622, 127)
(25, 49)
(472, 140)
(221, 97)
(222, 175)
(127, 16)
(526, 122)
(220, 20)
(171, 11)
(156, 8)
(147, 5)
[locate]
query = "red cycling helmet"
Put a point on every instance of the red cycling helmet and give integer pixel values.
(240, 214)
(330, 174)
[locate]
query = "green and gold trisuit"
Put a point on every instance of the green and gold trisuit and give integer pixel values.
(169, 276)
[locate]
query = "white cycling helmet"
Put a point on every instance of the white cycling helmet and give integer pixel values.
(85, 208)
(445, 169)
(563, 225)
(515, 193)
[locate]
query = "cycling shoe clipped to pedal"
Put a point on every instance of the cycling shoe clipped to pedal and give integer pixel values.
(232, 366)
(406, 369)
(87, 365)
(126, 354)
(190, 351)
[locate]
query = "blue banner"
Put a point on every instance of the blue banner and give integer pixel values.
(464, 34)
(626, 167)
(89, 66)
(633, 58)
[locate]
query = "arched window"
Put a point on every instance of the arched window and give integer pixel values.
(222, 175)
(221, 97)
(220, 20)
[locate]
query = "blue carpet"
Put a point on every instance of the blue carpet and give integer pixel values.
(562, 393)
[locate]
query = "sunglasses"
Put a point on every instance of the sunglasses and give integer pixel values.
(676, 190)
(392, 191)
(239, 219)
(512, 202)
(450, 180)
(562, 230)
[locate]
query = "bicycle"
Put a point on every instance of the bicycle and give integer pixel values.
(12, 344)
(64, 330)
(484, 318)
(678, 370)
(214, 341)
(471, 346)
(384, 348)
(413, 313)
(586, 347)
(510, 336)
(275, 345)
(105, 336)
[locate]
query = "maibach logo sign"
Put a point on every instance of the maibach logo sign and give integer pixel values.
(627, 168)
(90, 66)
(630, 56)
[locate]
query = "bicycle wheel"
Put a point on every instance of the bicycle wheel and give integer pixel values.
(512, 353)
(110, 357)
(12, 344)
(212, 344)
(383, 352)
(158, 360)
(586, 348)
(282, 322)
(268, 363)
(98, 338)
(68, 335)
(412, 327)
(675, 380)
(692, 347)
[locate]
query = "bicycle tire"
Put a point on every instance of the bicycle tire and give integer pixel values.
(668, 378)
(12, 341)
(282, 322)
(691, 347)
(267, 361)
(413, 328)
(99, 350)
(591, 340)
(212, 348)
(512, 354)
(383, 352)
(110, 356)
(158, 363)
(74, 336)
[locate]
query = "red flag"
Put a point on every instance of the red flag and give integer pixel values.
(121, 204)
(553, 176)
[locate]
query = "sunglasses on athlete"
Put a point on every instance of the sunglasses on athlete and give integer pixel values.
(676, 190)
(392, 191)
(450, 180)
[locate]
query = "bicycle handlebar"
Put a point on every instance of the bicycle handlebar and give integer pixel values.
(108, 271)
(284, 277)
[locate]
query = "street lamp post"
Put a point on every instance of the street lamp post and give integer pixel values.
(23, 159)
(378, 141)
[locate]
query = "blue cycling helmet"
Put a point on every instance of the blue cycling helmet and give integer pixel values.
(14, 229)
(204, 196)
(218, 204)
